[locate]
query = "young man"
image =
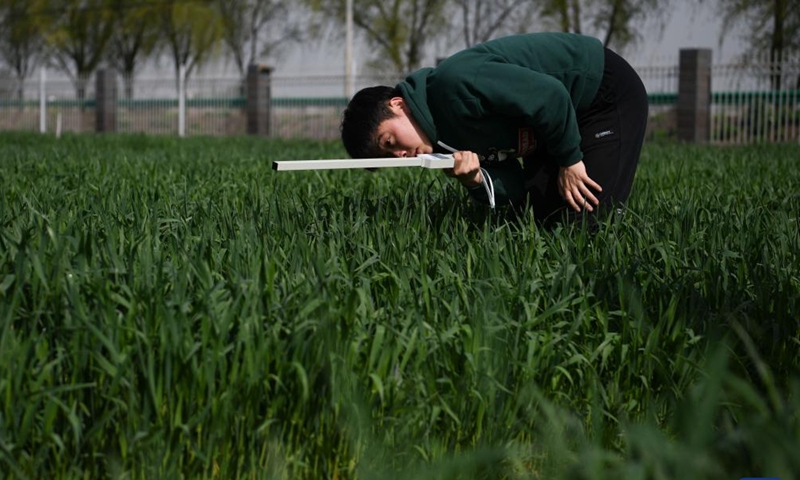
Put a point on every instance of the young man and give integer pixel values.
(554, 120)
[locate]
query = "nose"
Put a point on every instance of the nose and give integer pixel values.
(401, 153)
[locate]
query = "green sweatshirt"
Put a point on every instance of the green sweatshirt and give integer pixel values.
(502, 98)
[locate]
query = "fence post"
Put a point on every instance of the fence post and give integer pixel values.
(106, 101)
(42, 101)
(181, 100)
(694, 95)
(258, 99)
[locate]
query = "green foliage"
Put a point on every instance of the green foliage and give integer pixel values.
(79, 35)
(192, 30)
(174, 308)
(134, 39)
(21, 35)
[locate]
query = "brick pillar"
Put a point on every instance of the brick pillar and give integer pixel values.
(694, 95)
(106, 101)
(259, 94)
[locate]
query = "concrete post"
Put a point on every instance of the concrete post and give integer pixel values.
(42, 100)
(181, 100)
(694, 95)
(259, 93)
(106, 101)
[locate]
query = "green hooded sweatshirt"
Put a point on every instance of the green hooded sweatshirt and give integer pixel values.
(502, 98)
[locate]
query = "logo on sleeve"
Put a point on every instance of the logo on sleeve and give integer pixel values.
(527, 142)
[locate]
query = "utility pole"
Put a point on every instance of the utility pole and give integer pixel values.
(348, 50)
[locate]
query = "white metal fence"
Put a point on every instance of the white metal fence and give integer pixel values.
(47, 104)
(758, 100)
(661, 81)
(304, 107)
(753, 100)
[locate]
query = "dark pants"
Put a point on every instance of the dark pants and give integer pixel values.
(612, 131)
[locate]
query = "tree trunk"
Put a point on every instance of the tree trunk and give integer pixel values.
(80, 89)
(127, 79)
(612, 23)
(565, 26)
(21, 95)
(576, 16)
(777, 44)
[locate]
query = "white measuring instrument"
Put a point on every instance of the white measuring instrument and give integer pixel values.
(426, 160)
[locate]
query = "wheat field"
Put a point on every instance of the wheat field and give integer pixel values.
(174, 308)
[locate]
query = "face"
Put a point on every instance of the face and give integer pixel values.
(401, 136)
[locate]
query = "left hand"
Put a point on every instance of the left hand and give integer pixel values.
(574, 185)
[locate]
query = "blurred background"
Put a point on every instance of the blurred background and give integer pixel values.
(180, 67)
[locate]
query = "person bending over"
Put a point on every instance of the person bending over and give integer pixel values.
(551, 120)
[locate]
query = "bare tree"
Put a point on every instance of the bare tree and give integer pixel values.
(564, 15)
(134, 39)
(398, 30)
(79, 36)
(484, 19)
(774, 26)
(191, 30)
(617, 22)
(253, 28)
(21, 37)
(620, 19)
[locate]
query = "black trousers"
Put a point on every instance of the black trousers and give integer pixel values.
(612, 131)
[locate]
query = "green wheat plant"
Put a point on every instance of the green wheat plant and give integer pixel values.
(174, 308)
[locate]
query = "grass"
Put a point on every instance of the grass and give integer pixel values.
(176, 309)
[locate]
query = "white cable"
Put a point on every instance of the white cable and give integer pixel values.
(446, 146)
(487, 183)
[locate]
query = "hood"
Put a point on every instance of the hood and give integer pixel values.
(415, 94)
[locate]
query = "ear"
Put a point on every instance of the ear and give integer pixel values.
(397, 104)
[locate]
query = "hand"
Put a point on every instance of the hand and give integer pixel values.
(466, 169)
(574, 183)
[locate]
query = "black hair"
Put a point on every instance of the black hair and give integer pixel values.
(360, 121)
